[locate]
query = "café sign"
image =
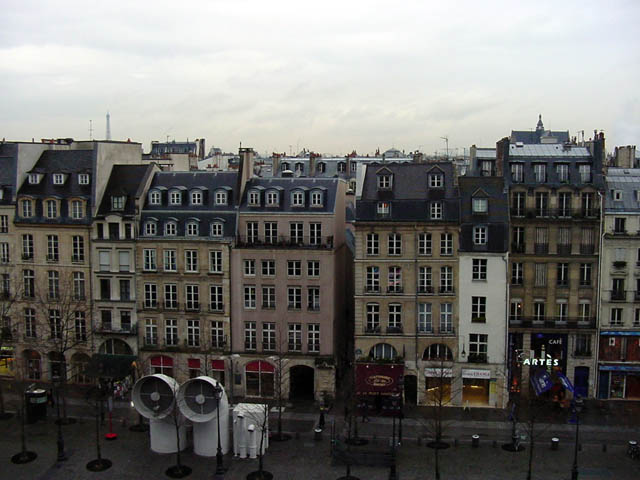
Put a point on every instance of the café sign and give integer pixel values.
(545, 361)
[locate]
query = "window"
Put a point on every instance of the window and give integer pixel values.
(342, 167)
(250, 336)
(373, 244)
(315, 233)
(619, 225)
(170, 296)
(383, 351)
(517, 172)
(55, 323)
(30, 322)
(478, 347)
(316, 198)
(313, 337)
(584, 311)
(480, 205)
(564, 204)
(170, 262)
(216, 229)
(446, 318)
(436, 180)
(272, 198)
(80, 326)
(583, 344)
(313, 268)
(51, 208)
(517, 270)
(425, 324)
(216, 303)
(221, 197)
(154, 197)
(585, 274)
(436, 210)
(585, 173)
(268, 268)
(149, 259)
(83, 179)
(215, 261)
(540, 172)
(52, 248)
(438, 351)
(542, 204)
(373, 279)
(175, 198)
(150, 295)
(385, 182)
(561, 310)
(78, 285)
(124, 261)
(480, 235)
(562, 171)
(294, 295)
(5, 287)
(27, 246)
(191, 261)
(373, 318)
(588, 205)
(268, 336)
(479, 309)
(150, 332)
(299, 166)
(424, 244)
(171, 332)
(518, 202)
(271, 232)
(446, 279)
(294, 268)
(268, 297)
(636, 317)
(117, 202)
(249, 267)
(4, 252)
(54, 284)
(425, 281)
(192, 294)
(192, 229)
(542, 240)
(295, 337)
(296, 233)
(252, 232)
(446, 244)
(297, 199)
(539, 310)
(313, 298)
(616, 317)
(196, 197)
(564, 241)
(394, 244)
(4, 223)
(515, 310)
(217, 334)
(249, 296)
(77, 209)
(125, 289)
(150, 228)
(394, 280)
(479, 269)
(26, 208)
(384, 208)
(28, 282)
(541, 274)
(170, 229)
(193, 333)
(562, 274)
(395, 318)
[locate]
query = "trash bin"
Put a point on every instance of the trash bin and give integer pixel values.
(36, 405)
(317, 434)
(475, 441)
(555, 443)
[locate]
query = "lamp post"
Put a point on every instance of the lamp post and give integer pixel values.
(576, 408)
(219, 467)
(62, 456)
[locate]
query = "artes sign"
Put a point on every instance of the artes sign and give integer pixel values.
(379, 380)
(545, 361)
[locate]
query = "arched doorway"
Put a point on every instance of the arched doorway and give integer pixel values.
(79, 364)
(410, 389)
(33, 362)
(301, 383)
(115, 346)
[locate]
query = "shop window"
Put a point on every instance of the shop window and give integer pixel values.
(259, 379)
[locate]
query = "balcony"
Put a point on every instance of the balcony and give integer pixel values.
(395, 289)
(193, 307)
(123, 329)
(395, 329)
(554, 213)
(478, 358)
(77, 258)
(447, 290)
(618, 296)
(518, 247)
(27, 257)
(170, 305)
(150, 305)
(52, 258)
(372, 329)
(426, 331)
(563, 249)
(425, 290)
(517, 212)
(619, 265)
(446, 331)
(371, 289)
(479, 319)
(567, 323)
(151, 342)
(541, 248)
(285, 241)
(587, 249)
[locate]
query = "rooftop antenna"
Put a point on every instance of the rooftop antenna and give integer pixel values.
(90, 130)
(446, 140)
(108, 126)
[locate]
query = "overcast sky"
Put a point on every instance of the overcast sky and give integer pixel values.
(324, 75)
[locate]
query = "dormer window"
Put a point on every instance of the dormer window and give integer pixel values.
(58, 179)
(322, 167)
(150, 228)
(316, 199)
(34, 178)
(196, 197)
(170, 229)
(383, 208)
(480, 205)
(216, 229)
(299, 167)
(175, 198)
(617, 195)
(436, 180)
(272, 198)
(342, 167)
(83, 179)
(221, 197)
(77, 209)
(285, 166)
(354, 166)
(192, 229)
(254, 198)
(154, 197)
(385, 182)
(297, 199)
(51, 208)
(436, 210)
(26, 208)
(480, 235)
(117, 202)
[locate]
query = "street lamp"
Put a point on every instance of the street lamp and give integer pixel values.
(576, 408)
(62, 456)
(219, 467)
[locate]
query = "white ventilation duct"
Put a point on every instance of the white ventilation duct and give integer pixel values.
(197, 401)
(154, 398)
(248, 420)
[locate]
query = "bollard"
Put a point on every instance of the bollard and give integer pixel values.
(475, 441)
(317, 434)
(555, 443)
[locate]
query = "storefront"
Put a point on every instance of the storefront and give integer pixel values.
(7, 363)
(621, 382)
(437, 384)
(476, 387)
(379, 387)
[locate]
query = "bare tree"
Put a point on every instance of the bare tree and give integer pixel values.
(9, 294)
(281, 379)
(179, 422)
(260, 418)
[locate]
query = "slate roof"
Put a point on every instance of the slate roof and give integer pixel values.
(124, 180)
(8, 171)
(548, 150)
(70, 162)
(627, 181)
(533, 137)
(286, 186)
(486, 153)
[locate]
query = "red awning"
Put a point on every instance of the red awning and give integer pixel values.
(260, 366)
(217, 365)
(161, 361)
(193, 363)
(383, 379)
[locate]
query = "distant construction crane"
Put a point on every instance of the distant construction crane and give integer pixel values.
(446, 139)
(108, 126)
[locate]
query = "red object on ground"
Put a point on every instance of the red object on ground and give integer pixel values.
(110, 435)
